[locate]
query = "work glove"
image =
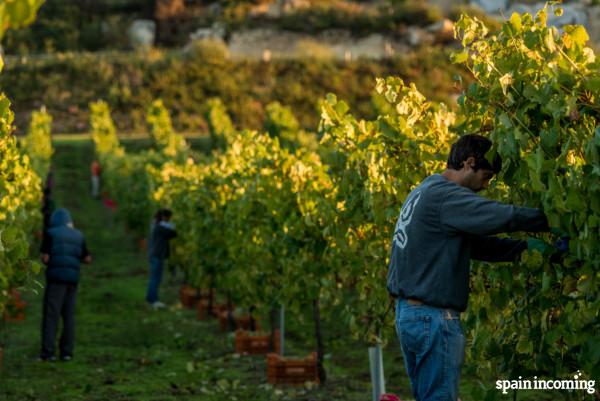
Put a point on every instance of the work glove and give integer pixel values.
(562, 244)
(534, 244)
(555, 251)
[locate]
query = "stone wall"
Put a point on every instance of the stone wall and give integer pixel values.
(580, 12)
(268, 43)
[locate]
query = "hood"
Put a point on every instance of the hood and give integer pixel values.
(60, 217)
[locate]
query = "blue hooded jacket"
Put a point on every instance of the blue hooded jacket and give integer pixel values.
(66, 247)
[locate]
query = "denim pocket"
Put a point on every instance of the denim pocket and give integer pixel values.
(414, 333)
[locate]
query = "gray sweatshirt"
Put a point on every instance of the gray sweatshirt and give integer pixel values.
(441, 227)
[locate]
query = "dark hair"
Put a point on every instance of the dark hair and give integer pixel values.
(162, 213)
(475, 146)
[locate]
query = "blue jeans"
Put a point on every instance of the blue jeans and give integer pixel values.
(156, 271)
(433, 346)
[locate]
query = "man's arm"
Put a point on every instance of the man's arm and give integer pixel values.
(85, 254)
(465, 212)
(494, 249)
(166, 230)
(46, 247)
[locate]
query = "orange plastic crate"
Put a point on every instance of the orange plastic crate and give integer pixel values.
(255, 343)
(204, 313)
(14, 317)
(15, 311)
(282, 370)
(188, 296)
(202, 309)
(241, 322)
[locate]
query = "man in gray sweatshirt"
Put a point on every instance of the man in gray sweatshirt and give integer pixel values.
(444, 224)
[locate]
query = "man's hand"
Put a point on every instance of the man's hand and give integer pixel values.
(45, 258)
(87, 259)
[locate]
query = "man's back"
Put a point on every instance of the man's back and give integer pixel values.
(162, 232)
(440, 225)
(66, 248)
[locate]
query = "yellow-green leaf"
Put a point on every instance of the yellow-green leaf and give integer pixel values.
(577, 34)
(515, 21)
(459, 58)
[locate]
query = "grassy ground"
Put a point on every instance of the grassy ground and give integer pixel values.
(125, 351)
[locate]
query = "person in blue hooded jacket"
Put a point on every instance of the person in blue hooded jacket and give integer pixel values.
(63, 250)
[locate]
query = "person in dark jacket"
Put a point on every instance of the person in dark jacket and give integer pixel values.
(443, 224)
(161, 233)
(63, 250)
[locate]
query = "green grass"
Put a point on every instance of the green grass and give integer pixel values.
(134, 142)
(125, 351)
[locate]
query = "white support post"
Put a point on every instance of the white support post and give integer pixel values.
(282, 328)
(377, 376)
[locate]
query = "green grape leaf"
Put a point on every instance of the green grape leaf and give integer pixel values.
(592, 84)
(525, 346)
(459, 58)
